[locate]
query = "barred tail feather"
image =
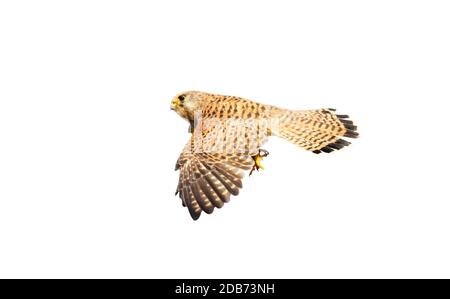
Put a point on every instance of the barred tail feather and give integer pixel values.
(316, 130)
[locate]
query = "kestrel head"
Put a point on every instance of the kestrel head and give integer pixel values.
(186, 103)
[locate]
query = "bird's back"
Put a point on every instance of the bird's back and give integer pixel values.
(225, 107)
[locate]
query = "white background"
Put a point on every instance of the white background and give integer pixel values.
(88, 143)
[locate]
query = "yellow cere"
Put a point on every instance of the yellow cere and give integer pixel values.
(175, 103)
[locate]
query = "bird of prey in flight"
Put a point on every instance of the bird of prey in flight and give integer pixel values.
(227, 133)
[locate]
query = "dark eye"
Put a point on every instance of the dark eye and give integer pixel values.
(181, 97)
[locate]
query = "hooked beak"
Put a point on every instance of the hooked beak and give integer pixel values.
(175, 103)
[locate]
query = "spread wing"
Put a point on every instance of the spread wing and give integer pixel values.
(213, 163)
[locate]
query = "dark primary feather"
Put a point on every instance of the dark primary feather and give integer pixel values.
(205, 183)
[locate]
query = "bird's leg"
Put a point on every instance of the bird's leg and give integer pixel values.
(258, 158)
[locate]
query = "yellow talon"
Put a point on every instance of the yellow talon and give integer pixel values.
(258, 164)
(258, 158)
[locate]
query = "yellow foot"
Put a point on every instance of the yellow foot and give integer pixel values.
(258, 158)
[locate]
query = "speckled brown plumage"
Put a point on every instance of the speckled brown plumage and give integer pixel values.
(228, 131)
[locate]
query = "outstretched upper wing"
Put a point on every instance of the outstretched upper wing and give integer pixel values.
(214, 162)
(207, 179)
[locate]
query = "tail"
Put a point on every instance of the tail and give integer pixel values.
(316, 130)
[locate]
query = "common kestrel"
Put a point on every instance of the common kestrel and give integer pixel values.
(227, 135)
